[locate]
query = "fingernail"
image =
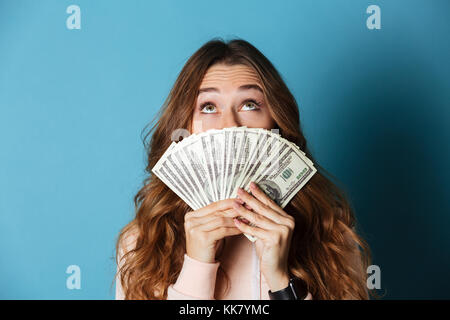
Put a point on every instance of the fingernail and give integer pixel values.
(253, 185)
(239, 191)
(243, 220)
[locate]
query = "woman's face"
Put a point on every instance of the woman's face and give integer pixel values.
(230, 96)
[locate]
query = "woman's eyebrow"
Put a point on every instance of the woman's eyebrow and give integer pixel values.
(241, 88)
(249, 87)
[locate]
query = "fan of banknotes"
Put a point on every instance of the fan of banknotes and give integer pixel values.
(210, 166)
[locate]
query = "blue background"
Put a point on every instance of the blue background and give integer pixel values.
(374, 106)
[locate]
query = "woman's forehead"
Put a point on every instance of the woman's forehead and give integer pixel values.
(235, 75)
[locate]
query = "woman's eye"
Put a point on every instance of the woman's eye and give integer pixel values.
(209, 108)
(252, 106)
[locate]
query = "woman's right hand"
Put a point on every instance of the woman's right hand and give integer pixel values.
(207, 226)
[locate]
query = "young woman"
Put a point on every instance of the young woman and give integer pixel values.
(171, 252)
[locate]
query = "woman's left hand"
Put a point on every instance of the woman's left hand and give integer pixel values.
(273, 228)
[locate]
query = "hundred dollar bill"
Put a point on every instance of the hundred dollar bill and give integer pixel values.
(189, 177)
(282, 182)
(164, 173)
(206, 146)
(228, 134)
(236, 137)
(193, 151)
(216, 143)
(284, 177)
(168, 171)
(248, 148)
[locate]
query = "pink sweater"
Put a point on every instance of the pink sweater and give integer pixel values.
(201, 281)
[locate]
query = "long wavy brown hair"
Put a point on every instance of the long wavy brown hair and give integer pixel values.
(326, 251)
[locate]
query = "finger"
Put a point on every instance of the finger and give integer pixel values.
(223, 232)
(216, 223)
(260, 207)
(220, 205)
(259, 194)
(230, 213)
(255, 218)
(253, 231)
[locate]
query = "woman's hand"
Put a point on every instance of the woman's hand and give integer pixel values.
(274, 229)
(206, 227)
